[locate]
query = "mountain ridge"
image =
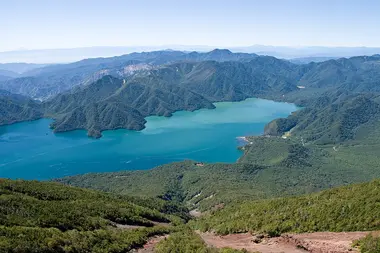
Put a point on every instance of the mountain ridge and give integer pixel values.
(151, 89)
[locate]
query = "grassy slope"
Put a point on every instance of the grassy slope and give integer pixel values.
(270, 167)
(49, 217)
(369, 244)
(349, 208)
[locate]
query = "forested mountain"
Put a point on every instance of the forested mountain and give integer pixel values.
(112, 103)
(162, 91)
(330, 118)
(43, 83)
(134, 86)
(16, 108)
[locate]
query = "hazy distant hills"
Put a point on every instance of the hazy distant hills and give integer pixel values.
(19, 68)
(306, 60)
(75, 54)
(8, 74)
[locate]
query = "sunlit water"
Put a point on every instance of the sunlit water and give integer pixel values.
(30, 150)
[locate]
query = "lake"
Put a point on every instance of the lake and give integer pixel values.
(30, 150)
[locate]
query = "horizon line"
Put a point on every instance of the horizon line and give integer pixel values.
(168, 47)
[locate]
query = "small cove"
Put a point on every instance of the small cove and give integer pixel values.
(30, 150)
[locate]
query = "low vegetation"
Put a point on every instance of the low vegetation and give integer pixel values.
(269, 167)
(349, 208)
(187, 241)
(51, 240)
(50, 217)
(369, 244)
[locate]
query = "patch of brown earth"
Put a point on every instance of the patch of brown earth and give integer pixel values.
(123, 226)
(323, 242)
(151, 244)
(156, 223)
(195, 213)
(244, 241)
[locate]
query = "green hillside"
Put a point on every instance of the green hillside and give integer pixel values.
(49, 217)
(330, 119)
(187, 241)
(44, 82)
(334, 142)
(350, 208)
(119, 92)
(269, 167)
(16, 108)
(111, 103)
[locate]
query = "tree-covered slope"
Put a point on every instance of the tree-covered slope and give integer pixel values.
(102, 102)
(45, 82)
(16, 108)
(112, 103)
(49, 217)
(349, 208)
(329, 119)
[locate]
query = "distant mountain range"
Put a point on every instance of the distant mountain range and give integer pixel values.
(19, 68)
(75, 54)
(119, 92)
(42, 83)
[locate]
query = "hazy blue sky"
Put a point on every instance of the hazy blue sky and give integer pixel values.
(38, 24)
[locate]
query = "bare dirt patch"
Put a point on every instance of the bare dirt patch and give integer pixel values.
(195, 213)
(155, 223)
(151, 244)
(323, 242)
(244, 241)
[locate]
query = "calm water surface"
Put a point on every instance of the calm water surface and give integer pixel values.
(30, 150)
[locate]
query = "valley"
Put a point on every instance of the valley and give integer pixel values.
(32, 151)
(197, 126)
(308, 163)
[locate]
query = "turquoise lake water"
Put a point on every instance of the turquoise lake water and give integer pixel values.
(30, 150)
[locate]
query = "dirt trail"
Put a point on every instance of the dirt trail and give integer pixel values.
(156, 223)
(326, 242)
(244, 241)
(323, 242)
(151, 244)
